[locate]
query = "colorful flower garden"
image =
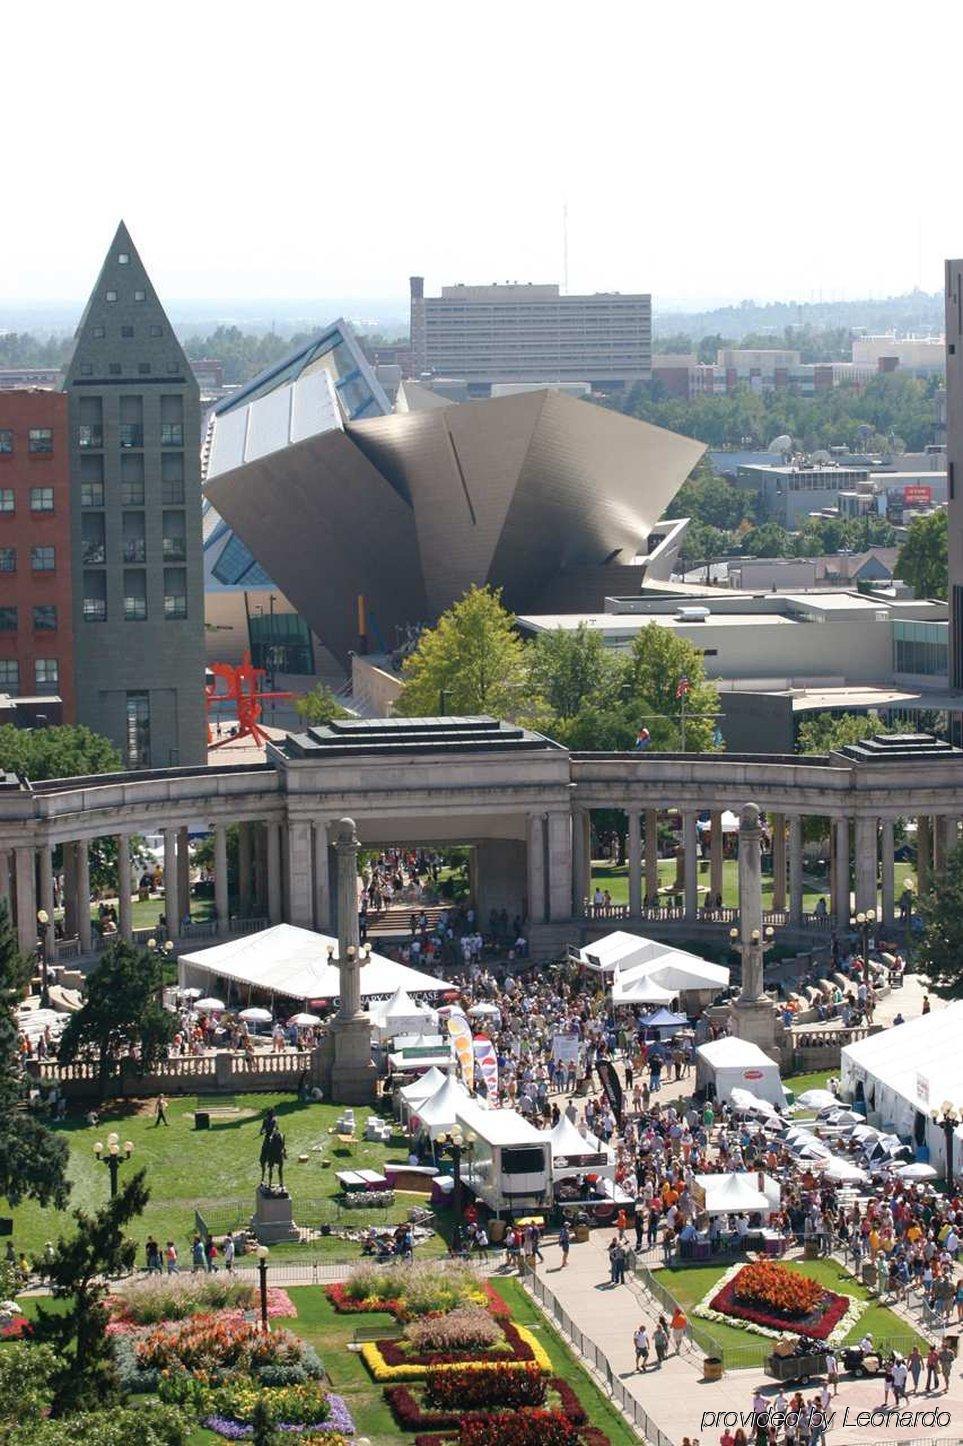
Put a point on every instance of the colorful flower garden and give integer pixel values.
(456, 1368)
(769, 1299)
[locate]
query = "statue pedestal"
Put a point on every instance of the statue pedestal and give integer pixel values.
(353, 1075)
(272, 1221)
(756, 1021)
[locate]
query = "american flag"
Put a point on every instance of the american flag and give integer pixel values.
(682, 687)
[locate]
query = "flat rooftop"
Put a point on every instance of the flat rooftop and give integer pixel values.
(367, 737)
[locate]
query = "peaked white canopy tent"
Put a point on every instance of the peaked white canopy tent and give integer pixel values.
(732, 1063)
(439, 1113)
(401, 1015)
(421, 1089)
(737, 1193)
(575, 1154)
(297, 964)
(649, 971)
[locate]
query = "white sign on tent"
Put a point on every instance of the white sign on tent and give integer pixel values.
(565, 1047)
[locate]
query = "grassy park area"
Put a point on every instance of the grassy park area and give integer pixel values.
(216, 1171)
(614, 877)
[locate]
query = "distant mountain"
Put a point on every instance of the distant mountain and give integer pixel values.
(387, 315)
(916, 312)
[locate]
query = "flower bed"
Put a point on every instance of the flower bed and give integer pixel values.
(401, 1306)
(368, 1199)
(211, 1347)
(769, 1306)
(466, 1328)
(174, 1297)
(389, 1361)
(415, 1413)
(279, 1303)
(302, 1408)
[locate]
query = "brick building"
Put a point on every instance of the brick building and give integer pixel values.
(36, 611)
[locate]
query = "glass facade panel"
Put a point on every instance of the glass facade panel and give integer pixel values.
(138, 730)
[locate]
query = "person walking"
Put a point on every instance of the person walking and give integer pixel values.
(564, 1241)
(641, 1343)
(678, 1327)
(947, 1358)
(170, 1255)
(932, 1370)
(899, 1380)
(915, 1367)
(832, 1371)
(229, 1254)
(160, 1112)
(660, 1340)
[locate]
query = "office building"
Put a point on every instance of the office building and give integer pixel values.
(135, 522)
(36, 605)
(792, 492)
(528, 333)
(954, 462)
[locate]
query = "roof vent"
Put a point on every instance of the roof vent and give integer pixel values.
(693, 615)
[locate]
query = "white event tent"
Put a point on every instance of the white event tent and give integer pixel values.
(439, 1113)
(575, 1154)
(401, 1015)
(737, 1193)
(297, 964)
(906, 1073)
(732, 1063)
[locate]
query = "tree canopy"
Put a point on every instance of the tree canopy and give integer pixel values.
(940, 951)
(471, 662)
(122, 1009)
(923, 558)
(67, 751)
(33, 1159)
(319, 706)
(822, 732)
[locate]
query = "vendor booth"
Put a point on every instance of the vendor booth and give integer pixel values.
(663, 1024)
(401, 1015)
(438, 1114)
(733, 1211)
(723, 1065)
(583, 1173)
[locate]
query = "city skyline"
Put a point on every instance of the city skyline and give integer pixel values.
(622, 128)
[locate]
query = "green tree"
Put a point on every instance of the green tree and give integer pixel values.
(572, 669)
(940, 950)
(33, 1159)
(923, 558)
(769, 540)
(86, 1376)
(123, 1008)
(146, 1424)
(472, 662)
(655, 674)
(822, 732)
(319, 706)
(63, 752)
(26, 1386)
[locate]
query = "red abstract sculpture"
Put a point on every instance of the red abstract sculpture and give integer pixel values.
(243, 689)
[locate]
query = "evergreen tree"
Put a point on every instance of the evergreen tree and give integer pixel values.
(33, 1159)
(123, 1008)
(78, 1272)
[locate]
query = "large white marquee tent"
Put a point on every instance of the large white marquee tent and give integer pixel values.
(649, 971)
(296, 964)
(732, 1063)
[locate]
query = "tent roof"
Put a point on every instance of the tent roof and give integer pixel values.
(639, 991)
(735, 1192)
(733, 1053)
(924, 1051)
(402, 1006)
(568, 1141)
(424, 1087)
(611, 950)
(441, 1107)
(294, 962)
(663, 1016)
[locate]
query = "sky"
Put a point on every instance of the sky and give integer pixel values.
(703, 152)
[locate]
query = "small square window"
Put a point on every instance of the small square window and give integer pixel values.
(97, 332)
(41, 499)
(46, 674)
(143, 369)
(43, 559)
(6, 500)
(91, 494)
(155, 330)
(8, 559)
(140, 295)
(45, 618)
(127, 331)
(123, 259)
(6, 441)
(40, 441)
(111, 296)
(86, 370)
(10, 675)
(8, 620)
(114, 369)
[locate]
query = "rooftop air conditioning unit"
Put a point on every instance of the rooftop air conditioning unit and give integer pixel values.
(693, 615)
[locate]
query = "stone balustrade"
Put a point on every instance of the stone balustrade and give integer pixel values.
(224, 1071)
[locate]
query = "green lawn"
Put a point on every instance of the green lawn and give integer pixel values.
(689, 1286)
(614, 877)
(214, 1168)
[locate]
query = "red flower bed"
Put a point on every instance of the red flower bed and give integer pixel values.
(769, 1286)
(588, 1436)
(474, 1390)
(16, 1329)
(395, 1352)
(345, 1305)
(518, 1428)
(825, 1311)
(412, 1415)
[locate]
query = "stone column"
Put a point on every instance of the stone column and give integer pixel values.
(259, 842)
(536, 868)
(222, 902)
(70, 890)
(172, 903)
(125, 913)
(866, 847)
(795, 869)
(47, 899)
(300, 890)
(245, 902)
(635, 863)
(5, 897)
(26, 868)
(184, 872)
(887, 852)
(559, 866)
(349, 936)
(690, 846)
(716, 855)
(924, 854)
(581, 860)
(950, 836)
(752, 1015)
(777, 823)
(322, 878)
(841, 871)
(85, 928)
(274, 894)
(651, 854)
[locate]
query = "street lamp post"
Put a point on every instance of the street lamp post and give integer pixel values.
(948, 1118)
(163, 952)
(112, 1157)
(456, 1146)
(763, 943)
(864, 921)
(262, 1270)
(43, 920)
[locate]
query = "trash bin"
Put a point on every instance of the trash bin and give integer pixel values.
(496, 1231)
(712, 1368)
(202, 1120)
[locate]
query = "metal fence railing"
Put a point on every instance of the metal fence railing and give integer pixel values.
(596, 1358)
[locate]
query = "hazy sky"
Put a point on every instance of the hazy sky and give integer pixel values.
(722, 150)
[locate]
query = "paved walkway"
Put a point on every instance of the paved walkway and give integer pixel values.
(677, 1399)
